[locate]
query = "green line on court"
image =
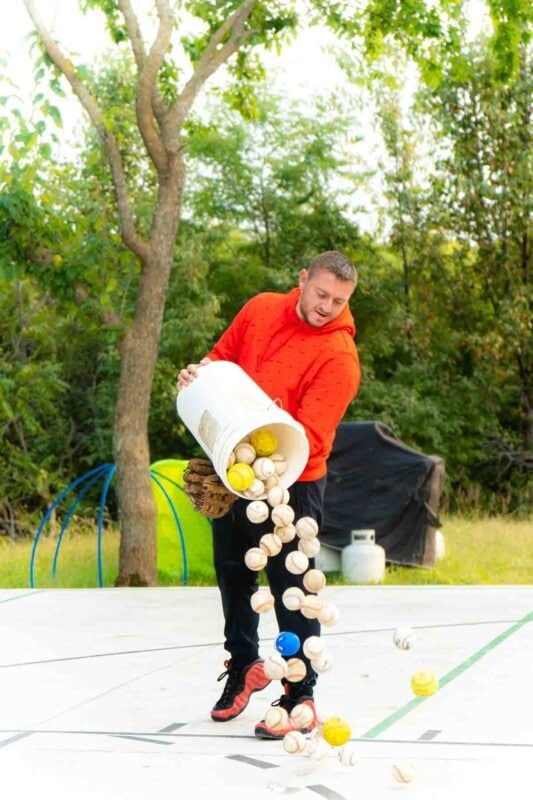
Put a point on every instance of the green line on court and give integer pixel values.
(390, 720)
(20, 596)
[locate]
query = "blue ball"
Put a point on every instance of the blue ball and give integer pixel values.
(287, 643)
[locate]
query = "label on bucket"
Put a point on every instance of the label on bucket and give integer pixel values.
(208, 430)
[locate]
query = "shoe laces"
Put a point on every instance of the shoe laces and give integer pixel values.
(233, 675)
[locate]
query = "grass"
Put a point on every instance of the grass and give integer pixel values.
(477, 551)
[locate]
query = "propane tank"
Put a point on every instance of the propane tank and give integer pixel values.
(363, 561)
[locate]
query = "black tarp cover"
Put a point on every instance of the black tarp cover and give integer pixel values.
(376, 481)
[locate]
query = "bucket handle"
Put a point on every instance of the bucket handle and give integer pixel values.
(276, 402)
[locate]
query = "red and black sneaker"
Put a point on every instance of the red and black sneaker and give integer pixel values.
(240, 684)
(264, 731)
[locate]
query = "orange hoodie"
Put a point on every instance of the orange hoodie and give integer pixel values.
(313, 372)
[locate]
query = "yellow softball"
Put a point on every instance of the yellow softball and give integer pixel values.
(264, 442)
(336, 731)
(424, 683)
(240, 476)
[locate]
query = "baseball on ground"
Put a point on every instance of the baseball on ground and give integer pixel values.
(403, 772)
(294, 742)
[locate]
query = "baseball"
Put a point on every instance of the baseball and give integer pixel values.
(296, 670)
(336, 731)
(264, 441)
(348, 757)
(255, 558)
(404, 638)
(306, 528)
(280, 463)
(292, 598)
(240, 476)
(403, 772)
(314, 580)
(311, 605)
(231, 460)
(285, 532)
(424, 683)
(263, 468)
(282, 515)
(329, 615)
(277, 718)
(323, 662)
(318, 749)
(302, 716)
(262, 601)
(270, 543)
(245, 453)
(296, 562)
(257, 489)
(277, 496)
(257, 511)
(271, 481)
(275, 667)
(312, 646)
(311, 547)
(294, 742)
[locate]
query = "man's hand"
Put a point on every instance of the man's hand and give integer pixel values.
(189, 373)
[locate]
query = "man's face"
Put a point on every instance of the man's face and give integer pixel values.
(322, 297)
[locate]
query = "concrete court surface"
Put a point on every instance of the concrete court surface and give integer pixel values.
(105, 693)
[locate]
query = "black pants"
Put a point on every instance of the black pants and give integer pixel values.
(233, 535)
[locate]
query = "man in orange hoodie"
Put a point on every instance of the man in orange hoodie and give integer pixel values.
(299, 348)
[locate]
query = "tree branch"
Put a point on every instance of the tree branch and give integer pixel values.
(149, 103)
(66, 67)
(215, 54)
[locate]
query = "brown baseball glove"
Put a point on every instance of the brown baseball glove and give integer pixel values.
(206, 491)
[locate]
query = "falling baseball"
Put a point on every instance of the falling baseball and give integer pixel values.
(286, 532)
(257, 511)
(292, 598)
(296, 562)
(277, 718)
(262, 600)
(271, 481)
(282, 515)
(278, 496)
(263, 467)
(311, 547)
(302, 716)
(280, 463)
(306, 528)
(296, 670)
(255, 558)
(313, 646)
(245, 453)
(314, 580)
(271, 544)
(404, 638)
(311, 605)
(404, 772)
(294, 742)
(329, 615)
(323, 662)
(275, 666)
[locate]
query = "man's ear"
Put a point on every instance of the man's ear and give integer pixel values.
(303, 278)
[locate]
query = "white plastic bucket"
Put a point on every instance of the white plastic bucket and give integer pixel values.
(363, 561)
(223, 405)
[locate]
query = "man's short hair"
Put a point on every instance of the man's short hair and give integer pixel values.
(335, 262)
